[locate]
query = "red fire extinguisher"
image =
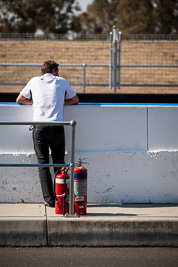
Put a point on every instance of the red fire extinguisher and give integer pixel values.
(62, 192)
(80, 189)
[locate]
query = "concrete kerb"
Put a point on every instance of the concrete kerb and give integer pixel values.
(104, 225)
(22, 225)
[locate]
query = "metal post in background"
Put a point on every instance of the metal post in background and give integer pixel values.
(115, 37)
(119, 60)
(84, 77)
(110, 63)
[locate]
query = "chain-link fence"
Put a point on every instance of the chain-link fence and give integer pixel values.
(95, 63)
(83, 62)
(149, 62)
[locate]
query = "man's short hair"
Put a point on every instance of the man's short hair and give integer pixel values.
(48, 66)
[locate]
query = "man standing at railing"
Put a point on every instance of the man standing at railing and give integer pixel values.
(48, 94)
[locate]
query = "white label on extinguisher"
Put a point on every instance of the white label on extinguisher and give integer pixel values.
(59, 181)
(79, 198)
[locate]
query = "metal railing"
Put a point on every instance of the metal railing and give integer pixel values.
(117, 53)
(83, 66)
(117, 61)
(72, 154)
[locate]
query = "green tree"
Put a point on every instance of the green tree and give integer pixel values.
(166, 16)
(130, 16)
(135, 16)
(27, 16)
(99, 17)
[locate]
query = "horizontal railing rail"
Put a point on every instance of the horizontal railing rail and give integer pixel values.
(72, 153)
(108, 61)
(84, 66)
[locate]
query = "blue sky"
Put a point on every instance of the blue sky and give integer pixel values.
(84, 3)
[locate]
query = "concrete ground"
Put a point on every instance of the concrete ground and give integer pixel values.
(104, 225)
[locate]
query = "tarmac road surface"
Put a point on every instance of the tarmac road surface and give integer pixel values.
(84, 256)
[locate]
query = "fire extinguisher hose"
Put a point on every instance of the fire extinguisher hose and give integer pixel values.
(55, 190)
(64, 194)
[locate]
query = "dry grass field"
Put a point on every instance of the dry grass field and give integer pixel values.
(92, 52)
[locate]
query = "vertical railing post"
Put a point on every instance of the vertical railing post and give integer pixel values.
(110, 62)
(115, 37)
(72, 165)
(119, 60)
(84, 77)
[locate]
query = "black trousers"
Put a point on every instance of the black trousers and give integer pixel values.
(45, 137)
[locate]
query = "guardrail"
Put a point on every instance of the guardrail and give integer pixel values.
(117, 61)
(83, 66)
(72, 154)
